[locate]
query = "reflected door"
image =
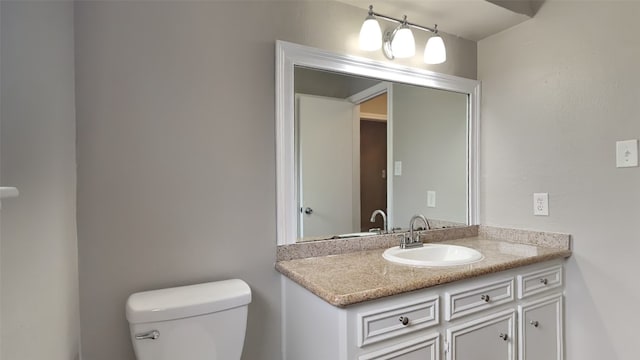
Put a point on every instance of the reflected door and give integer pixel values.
(328, 183)
(373, 172)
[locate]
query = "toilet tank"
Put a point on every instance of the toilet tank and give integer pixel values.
(195, 322)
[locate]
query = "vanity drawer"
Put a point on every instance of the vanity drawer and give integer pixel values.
(396, 320)
(423, 348)
(539, 281)
(473, 299)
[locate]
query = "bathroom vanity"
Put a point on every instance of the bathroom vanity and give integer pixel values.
(359, 306)
(340, 298)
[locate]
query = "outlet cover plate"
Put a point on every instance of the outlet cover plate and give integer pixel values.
(541, 204)
(627, 153)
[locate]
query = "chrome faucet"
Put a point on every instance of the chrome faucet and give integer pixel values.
(412, 241)
(384, 220)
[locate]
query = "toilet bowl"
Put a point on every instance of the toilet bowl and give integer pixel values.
(196, 322)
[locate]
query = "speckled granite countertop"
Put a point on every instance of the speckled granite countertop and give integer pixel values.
(354, 277)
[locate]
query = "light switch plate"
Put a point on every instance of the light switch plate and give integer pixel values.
(397, 168)
(627, 153)
(431, 198)
(541, 204)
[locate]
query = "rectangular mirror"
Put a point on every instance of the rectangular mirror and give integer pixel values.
(355, 136)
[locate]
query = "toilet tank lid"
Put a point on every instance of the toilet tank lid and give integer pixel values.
(186, 301)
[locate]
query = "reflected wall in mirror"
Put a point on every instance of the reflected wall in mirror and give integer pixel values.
(430, 141)
(356, 135)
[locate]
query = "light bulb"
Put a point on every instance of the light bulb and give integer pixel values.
(403, 44)
(370, 34)
(435, 52)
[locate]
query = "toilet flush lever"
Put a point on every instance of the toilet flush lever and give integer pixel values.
(151, 335)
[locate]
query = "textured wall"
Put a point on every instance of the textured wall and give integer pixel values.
(39, 268)
(176, 136)
(430, 137)
(558, 91)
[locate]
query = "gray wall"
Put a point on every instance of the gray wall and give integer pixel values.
(558, 91)
(39, 273)
(430, 138)
(176, 178)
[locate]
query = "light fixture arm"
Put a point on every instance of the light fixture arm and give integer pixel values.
(386, 43)
(404, 21)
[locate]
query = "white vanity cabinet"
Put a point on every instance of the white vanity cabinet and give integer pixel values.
(474, 319)
(541, 314)
(399, 327)
(489, 337)
(540, 335)
(492, 334)
(482, 319)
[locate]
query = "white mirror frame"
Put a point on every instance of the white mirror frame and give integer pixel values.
(289, 55)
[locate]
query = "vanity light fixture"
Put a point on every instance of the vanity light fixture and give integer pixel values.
(399, 42)
(403, 45)
(370, 33)
(434, 51)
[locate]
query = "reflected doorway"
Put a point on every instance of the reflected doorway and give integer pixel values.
(373, 160)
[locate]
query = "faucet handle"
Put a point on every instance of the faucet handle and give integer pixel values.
(405, 240)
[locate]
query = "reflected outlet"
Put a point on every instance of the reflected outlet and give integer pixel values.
(431, 198)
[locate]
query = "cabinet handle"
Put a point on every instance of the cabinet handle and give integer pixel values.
(485, 298)
(404, 320)
(544, 281)
(534, 323)
(504, 337)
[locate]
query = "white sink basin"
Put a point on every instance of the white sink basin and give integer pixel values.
(433, 255)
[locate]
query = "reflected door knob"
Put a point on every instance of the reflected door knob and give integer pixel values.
(307, 210)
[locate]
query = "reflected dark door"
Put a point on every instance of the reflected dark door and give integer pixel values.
(373, 176)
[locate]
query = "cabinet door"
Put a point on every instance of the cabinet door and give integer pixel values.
(487, 338)
(541, 335)
(422, 348)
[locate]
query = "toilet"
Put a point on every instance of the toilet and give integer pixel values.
(196, 322)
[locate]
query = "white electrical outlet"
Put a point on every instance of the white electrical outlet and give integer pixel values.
(541, 204)
(627, 153)
(431, 198)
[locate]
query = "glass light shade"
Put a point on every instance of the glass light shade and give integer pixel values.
(370, 34)
(403, 44)
(435, 52)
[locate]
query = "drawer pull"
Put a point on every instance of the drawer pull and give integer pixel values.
(504, 337)
(404, 320)
(534, 323)
(485, 298)
(544, 281)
